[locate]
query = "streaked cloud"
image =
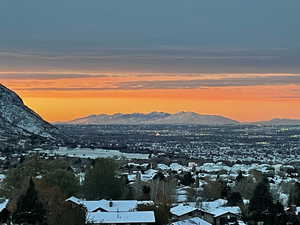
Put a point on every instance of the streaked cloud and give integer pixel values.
(162, 59)
(42, 76)
(91, 82)
(226, 82)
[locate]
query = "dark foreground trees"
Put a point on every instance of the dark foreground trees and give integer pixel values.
(102, 181)
(65, 180)
(42, 204)
(262, 208)
(38, 189)
(30, 209)
(161, 211)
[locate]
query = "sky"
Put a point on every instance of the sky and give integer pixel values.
(72, 58)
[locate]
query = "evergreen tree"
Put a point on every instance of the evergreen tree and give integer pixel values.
(240, 177)
(235, 199)
(29, 208)
(261, 205)
(187, 179)
(101, 181)
(262, 198)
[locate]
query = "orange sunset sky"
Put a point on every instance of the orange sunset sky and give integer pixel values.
(244, 97)
(69, 59)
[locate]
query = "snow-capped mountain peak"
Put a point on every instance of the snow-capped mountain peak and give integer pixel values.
(154, 118)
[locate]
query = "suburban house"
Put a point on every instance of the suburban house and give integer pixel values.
(115, 211)
(109, 205)
(183, 211)
(221, 215)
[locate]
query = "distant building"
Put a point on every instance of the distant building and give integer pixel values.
(183, 211)
(192, 164)
(223, 215)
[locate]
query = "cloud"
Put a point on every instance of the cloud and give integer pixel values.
(156, 59)
(171, 83)
(41, 76)
(200, 83)
(64, 89)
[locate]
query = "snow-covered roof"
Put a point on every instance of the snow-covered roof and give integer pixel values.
(213, 204)
(223, 210)
(148, 175)
(121, 217)
(161, 166)
(191, 221)
(74, 200)
(181, 210)
(176, 166)
(3, 204)
(109, 206)
(131, 177)
(241, 222)
(215, 167)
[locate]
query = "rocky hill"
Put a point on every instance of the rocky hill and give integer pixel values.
(17, 120)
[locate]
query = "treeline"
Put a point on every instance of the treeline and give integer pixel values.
(38, 188)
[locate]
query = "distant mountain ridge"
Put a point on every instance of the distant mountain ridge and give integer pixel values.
(157, 118)
(154, 118)
(16, 119)
(278, 122)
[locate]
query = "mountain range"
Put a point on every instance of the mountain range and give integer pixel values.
(276, 121)
(17, 120)
(157, 118)
(154, 118)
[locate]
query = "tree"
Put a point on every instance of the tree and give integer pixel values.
(187, 179)
(59, 212)
(294, 196)
(29, 210)
(262, 198)
(215, 189)
(163, 191)
(67, 214)
(235, 199)
(4, 215)
(245, 187)
(261, 207)
(146, 192)
(159, 176)
(161, 212)
(240, 177)
(101, 180)
(18, 177)
(65, 180)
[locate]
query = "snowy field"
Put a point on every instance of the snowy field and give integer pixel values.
(94, 153)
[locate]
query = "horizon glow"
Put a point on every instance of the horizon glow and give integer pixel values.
(242, 97)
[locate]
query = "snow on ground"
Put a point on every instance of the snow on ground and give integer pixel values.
(95, 153)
